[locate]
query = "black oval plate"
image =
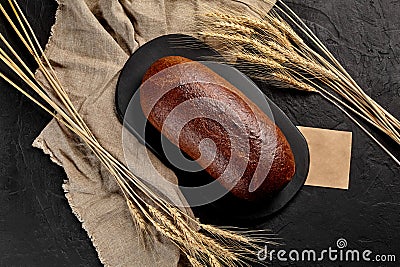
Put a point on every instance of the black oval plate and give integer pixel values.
(228, 209)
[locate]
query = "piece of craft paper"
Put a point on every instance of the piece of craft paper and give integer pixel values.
(330, 154)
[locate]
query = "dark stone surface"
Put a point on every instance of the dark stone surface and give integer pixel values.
(37, 227)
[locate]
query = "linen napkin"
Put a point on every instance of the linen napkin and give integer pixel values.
(90, 43)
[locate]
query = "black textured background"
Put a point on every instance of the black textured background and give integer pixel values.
(37, 227)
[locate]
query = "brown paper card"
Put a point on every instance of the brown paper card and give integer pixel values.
(330, 154)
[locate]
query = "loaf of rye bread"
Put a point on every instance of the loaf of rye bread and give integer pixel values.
(210, 107)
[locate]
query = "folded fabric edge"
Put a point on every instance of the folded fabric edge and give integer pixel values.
(40, 143)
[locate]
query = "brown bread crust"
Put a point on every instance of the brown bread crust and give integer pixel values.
(268, 146)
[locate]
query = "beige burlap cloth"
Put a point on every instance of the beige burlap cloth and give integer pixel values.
(91, 40)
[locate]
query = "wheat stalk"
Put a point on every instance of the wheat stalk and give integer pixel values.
(148, 210)
(268, 48)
